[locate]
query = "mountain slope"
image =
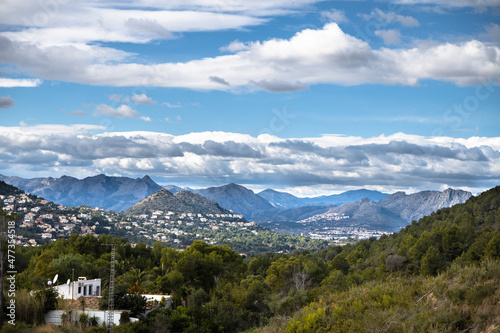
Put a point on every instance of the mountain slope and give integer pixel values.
(110, 193)
(239, 199)
(281, 200)
(285, 200)
(6, 189)
(181, 202)
(174, 189)
(399, 209)
(439, 274)
(345, 197)
(369, 214)
(294, 214)
(414, 206)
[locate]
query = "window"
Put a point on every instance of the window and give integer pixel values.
(90, 290)
(84, 290)
(79, 289)
(97, 291)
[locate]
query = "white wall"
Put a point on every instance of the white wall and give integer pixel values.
(54, 316)
(87, 288)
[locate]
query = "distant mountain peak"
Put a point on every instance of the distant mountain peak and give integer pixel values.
(366, 200)
(180, 202)
(111, 193)
(239, 199)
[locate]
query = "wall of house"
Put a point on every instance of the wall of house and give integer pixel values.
(54, 316)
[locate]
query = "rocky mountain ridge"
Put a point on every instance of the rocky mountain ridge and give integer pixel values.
(110, 193)
(180, 202)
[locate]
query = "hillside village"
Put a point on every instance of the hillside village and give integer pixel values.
(41, 222)
(45, 221)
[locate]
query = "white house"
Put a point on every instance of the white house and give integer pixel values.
(82, 287)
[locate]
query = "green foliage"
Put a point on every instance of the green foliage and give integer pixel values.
(440, 274)
(432, 262)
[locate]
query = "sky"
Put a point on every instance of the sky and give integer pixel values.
(306, 96)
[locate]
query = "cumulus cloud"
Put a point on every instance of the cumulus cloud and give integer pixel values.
(390, 17)
(390, 37)
(6, 102)
(275, 65)
(11, 83)
(334, 15)
(121, 112)
(142, 99)
(493, 32)
(234, 46)
(148, 27)
(383, 162)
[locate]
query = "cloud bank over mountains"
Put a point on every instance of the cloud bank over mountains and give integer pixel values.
(398, 161)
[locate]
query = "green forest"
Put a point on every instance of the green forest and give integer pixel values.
(439, 274)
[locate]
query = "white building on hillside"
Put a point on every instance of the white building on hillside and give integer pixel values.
(82, 287)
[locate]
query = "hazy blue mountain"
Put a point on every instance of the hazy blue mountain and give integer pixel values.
(281, 200)
(294, 214)
(368, 214)
(345, 197)
(180, 202)
(110, 193)
(399, 209)
(285, 200)
(239, 199)
(174, 188)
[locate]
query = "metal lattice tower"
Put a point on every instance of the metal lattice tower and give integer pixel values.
(111, 297)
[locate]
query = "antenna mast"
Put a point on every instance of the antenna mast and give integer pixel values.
(111, 297)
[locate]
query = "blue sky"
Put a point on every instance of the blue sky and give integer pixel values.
(265, 93)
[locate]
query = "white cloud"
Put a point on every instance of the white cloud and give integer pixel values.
(171, 106)
(26, 83)
(234, 46)
(334, 15)
(123, 111)
(390, 17)
(274, 65)
(142, 99)
(384, 162)
(115, 98)
(493, 32)
(390, 37)
(78, 23)
(454, 3)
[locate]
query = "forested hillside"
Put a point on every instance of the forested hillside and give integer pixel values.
(440, 274)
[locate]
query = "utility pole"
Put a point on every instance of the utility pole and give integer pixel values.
(111, 297)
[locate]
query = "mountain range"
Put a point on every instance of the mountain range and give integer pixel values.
(397, 210)
(364, 207)
(285, 200)
(110, 193)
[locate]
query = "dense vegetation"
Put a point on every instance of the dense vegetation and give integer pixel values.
(440, 274)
